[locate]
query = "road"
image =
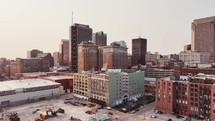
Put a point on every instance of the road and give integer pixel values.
(143, 115)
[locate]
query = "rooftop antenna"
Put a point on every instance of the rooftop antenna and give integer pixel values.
(139, 34)
(72, 17)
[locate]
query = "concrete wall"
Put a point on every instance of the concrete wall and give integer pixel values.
(30, 96)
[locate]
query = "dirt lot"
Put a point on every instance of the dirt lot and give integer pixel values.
(31, 111)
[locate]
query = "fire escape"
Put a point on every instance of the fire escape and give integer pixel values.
(204, 102)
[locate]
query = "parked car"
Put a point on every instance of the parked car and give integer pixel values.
(169, 119)
(136, 109)
(133, 111)
(109, 108)
(152, 116)
(178, 116)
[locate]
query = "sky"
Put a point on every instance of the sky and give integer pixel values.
(41, 24)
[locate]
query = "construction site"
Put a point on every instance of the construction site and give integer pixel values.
(59, 110)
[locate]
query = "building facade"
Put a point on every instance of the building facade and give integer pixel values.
(64, 51)
(115, 57)
(150, 86)
(28, 65)
(78, 33)
(139, 49)
(203, 35)
(157, 73)
(100, 38)
(111, 88)
(29, 90)
(192, 96)
(191, 58)
(57, 60)
(87, 56)
(152, 57)
(65, 81)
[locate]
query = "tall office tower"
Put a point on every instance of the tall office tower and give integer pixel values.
(57, 60)
(100, 38)
(64, 50)
(203, 35)
(87, 56)
(78, 33)
(115, 57)
(33, 53)
(139, 49)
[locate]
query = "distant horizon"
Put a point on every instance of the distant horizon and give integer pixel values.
(166, 25)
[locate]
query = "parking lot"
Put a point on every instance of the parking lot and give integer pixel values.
(77, 108)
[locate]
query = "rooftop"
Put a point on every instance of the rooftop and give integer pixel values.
(26, 83)
(59, 77)
(150, 79)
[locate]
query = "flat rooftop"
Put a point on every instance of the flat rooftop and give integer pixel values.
(25, 83)
(58, 77)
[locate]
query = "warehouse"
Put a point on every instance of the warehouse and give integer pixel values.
(29, 90)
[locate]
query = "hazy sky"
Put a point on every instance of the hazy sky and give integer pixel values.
(41, 24)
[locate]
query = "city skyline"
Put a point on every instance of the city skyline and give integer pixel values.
(27, 25)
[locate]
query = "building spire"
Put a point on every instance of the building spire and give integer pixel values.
(72, 17)
(139, 34)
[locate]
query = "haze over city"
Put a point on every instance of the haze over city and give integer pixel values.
(39, 24)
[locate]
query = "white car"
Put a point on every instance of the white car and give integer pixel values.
(152, 116)
(109, 108)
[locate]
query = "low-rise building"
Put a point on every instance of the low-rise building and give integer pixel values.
(28, 90)
(65, 81)
(157, 73)
(191, 58)
(41, 63)
(150, 86)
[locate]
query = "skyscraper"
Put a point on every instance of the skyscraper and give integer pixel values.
(78, 33)
(64, 50)
(203, 35)
(139, 49)
(100, 38)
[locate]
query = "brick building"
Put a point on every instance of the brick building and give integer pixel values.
(192, 96)
(65, 81)
(115, 56)
(150, 86)
(192, 71)
(100, 38)
(87, 56)
(164, 95)
(46, 57)
(41, 63)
